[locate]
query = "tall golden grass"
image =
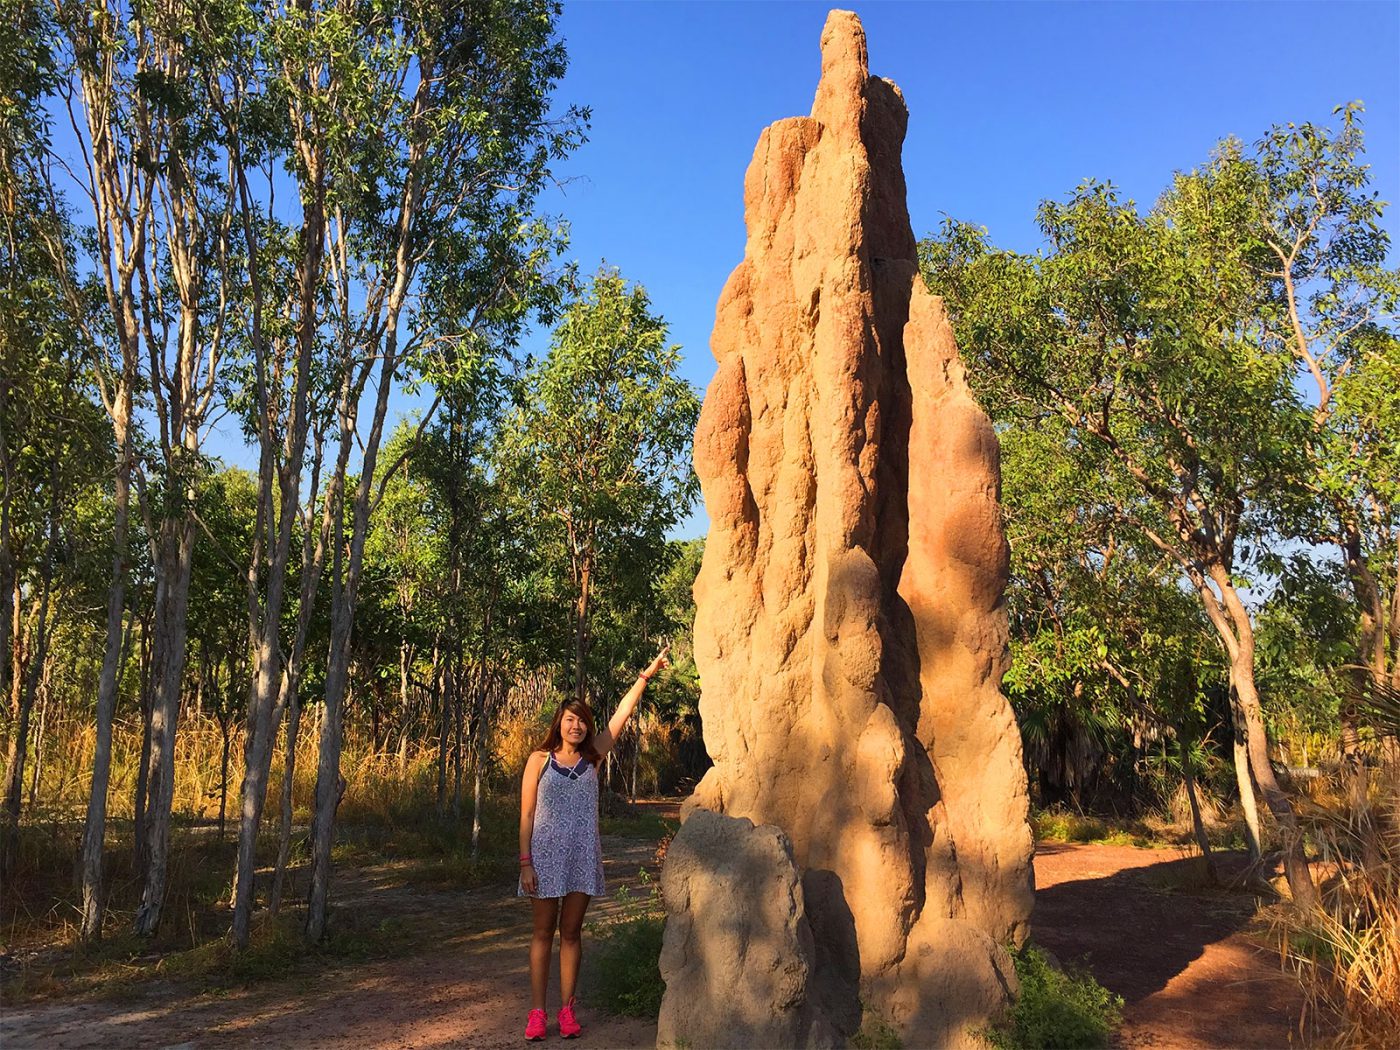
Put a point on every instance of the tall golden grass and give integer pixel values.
(1346, 952)
(379, 784)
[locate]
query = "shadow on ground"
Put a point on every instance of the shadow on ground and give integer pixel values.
(1136, 927)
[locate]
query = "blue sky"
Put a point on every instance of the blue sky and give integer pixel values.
(1009, 103)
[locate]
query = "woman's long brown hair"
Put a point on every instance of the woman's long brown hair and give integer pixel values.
(554, 738)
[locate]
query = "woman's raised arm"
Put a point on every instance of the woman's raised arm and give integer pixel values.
(605, 740)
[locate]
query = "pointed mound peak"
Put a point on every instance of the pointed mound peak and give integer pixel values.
(840, 97)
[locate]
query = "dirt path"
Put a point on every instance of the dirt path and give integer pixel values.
(1190, 973)
(466, 987)
(1188, 962)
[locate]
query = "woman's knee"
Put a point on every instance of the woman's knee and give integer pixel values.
(544, 937)
(545, 923)
(570, 933)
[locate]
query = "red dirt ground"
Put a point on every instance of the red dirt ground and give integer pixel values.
(1191, 965)
(1191, 972)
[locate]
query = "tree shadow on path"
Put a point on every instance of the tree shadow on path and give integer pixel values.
(1185, 956)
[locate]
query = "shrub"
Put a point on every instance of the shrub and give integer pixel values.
(627, 967)
(1057, 825)
(1057, 1010)
(876, 1032)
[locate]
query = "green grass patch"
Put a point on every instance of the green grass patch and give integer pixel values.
(642, 826)
(1058, 825)
(1057, 1009)
(124, 964)
(876, 1032)
(626, 960)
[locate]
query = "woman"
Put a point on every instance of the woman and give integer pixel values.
(561, 860)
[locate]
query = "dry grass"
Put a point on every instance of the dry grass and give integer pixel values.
(1346, 953)
(388, 816)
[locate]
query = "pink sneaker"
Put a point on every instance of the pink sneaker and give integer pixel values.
(568, 1027)
(534, 1027)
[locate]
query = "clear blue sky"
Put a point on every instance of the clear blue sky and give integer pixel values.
(1009, 103)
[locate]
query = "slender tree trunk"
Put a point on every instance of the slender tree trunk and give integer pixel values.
(581, 629)
(312, 563)
(1371, 638)
(1295, 862)
(7, 560)
(404, 705)
(458, 757)
(279, 484)
(476, 805)
(1249, 805)
(143, 770)
(329, 785)
(607, 791)
(1232, 622)
(45, 691)
(284, 827)
(444, 707)
(223, 776)
(38, 657)
(165, 711)
(94, 829)
(1197, 823)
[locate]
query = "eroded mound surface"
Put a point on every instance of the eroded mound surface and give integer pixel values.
(850, 632)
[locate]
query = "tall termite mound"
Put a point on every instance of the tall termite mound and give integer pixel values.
(850, 631)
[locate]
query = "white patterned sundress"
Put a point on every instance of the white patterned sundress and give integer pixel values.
(564, 847)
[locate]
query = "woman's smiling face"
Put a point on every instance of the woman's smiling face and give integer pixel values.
(573, 728)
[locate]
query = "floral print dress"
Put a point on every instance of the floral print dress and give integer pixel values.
(564, 846)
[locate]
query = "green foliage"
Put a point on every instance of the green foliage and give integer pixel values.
(626, 959)
(1057, 1009)
(597, 447)
(645, 826)
(1181, 391)
(876, 1032)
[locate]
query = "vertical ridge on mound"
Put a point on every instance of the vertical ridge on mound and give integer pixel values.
(850, 632)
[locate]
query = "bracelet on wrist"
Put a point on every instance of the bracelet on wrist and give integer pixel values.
(644, 676)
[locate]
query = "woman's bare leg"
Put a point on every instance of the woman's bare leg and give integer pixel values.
(541, 945)
(570, 942)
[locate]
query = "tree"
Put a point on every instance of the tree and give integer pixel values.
(600, 440)
(436, 250)
(1143, 348)
(157, 183)
(50, 432)
(1297, 223)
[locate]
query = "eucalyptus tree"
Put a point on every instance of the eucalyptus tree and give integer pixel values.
(1144, 350)
(599, 441)
(51, 429)
(55, 354)
(480, 533)
(1100, 629)
(405, 567)
(277, 103)
(1297, 222)
(158, 184)
(432, 244)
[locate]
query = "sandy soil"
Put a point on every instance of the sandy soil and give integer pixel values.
(1189, 969)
